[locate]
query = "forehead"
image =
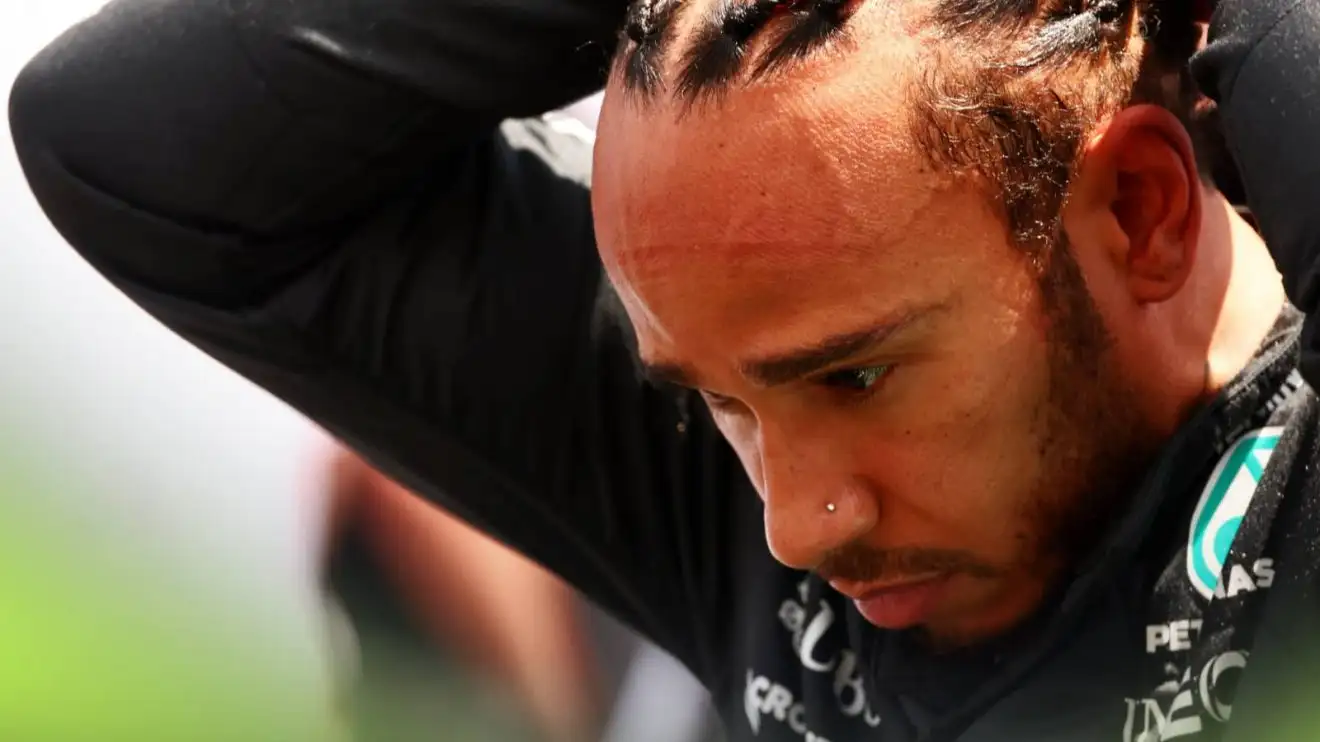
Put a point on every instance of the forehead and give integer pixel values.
(802, 155)
(789, 208)
(764, 181)
(767, 168)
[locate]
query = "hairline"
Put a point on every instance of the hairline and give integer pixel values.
(675, 62)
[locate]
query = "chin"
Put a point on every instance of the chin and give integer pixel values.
(983, 611)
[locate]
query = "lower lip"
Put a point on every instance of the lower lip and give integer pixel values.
(902, 607)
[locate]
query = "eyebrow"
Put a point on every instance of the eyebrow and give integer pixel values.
(782, 368)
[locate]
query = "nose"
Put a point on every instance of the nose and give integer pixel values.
(814, 500)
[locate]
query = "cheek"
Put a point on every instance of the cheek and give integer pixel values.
(979, 393)
(741, 434)
(958, 453)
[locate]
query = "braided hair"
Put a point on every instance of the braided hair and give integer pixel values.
(1015, 112)
(718, 50)
(647, 33)
(1010, 109)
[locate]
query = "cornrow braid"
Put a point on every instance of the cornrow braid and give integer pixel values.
(720, 45)
(818, 23)
(647, 33)
(978, 17)
(1076, 29)
(1062, 23)
(720, 42)
(1015, 110)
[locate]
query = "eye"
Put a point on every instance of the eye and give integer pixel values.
(856, 380)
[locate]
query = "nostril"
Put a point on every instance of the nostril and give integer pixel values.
(800, 530)
(793, 540)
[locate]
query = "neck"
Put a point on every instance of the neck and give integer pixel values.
(1215, 324)
(1252, 299)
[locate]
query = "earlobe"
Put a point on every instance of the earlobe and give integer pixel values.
(1155, 198)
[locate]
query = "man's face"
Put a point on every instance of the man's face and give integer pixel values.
(928, 428)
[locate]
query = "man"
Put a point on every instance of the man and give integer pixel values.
(416, 584)
(997, 373)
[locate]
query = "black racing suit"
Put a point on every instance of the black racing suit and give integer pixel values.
(336, 199)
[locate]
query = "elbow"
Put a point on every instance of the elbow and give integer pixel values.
(52, 118)
(38, 111)
(45, 113)
(33, 125)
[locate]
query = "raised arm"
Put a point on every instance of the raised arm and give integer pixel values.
(269, 119)
(319, 194)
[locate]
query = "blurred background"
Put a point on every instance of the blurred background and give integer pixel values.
(184, 558)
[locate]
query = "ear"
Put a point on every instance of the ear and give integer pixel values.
(1137, 193)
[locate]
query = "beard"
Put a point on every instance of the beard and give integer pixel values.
(1095, 446)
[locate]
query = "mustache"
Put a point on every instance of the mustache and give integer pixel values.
(862, 564)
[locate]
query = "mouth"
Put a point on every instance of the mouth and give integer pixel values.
(900, 604)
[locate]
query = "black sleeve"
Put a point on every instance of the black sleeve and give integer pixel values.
(319, 193)
(1263, 67)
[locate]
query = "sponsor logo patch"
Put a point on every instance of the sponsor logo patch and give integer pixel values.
(1223, 504)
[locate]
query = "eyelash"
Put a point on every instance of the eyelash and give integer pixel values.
(844, 381)
(857, 383)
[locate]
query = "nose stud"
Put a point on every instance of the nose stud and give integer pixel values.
(829, 506)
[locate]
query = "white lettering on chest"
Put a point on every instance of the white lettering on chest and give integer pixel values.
(765, 699)
(806, 631)
(1194, 701)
